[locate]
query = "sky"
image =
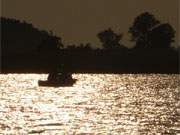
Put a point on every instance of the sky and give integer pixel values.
(79, 21)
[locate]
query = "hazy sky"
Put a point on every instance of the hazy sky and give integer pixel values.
(80, 20)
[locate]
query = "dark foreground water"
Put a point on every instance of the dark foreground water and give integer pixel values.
(96, 104)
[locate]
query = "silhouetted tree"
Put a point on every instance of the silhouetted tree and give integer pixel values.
(23, 38)
(141, 27)
(71, 47)
(51, 43)
(81, 47)
(162, 36)
(109, 39)
(84, 46)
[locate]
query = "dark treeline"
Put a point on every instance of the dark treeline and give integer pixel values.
(28, 49)
(22, 38)
(148, 32)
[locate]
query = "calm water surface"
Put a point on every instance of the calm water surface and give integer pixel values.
(96, 104)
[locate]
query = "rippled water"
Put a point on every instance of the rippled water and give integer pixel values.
(96, 104)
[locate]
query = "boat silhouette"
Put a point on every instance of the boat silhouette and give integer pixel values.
(59, 81)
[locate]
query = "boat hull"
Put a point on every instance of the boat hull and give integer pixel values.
(56, 84)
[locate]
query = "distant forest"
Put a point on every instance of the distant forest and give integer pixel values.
(147, 33)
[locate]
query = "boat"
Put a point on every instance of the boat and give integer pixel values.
(67, 83)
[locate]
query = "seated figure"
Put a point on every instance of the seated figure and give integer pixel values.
(62, 77)
(53, 76)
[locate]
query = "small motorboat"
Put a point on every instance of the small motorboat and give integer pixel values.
(66, 83)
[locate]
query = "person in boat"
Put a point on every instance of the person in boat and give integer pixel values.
(64, 75)
(53, 76)
(60, 75)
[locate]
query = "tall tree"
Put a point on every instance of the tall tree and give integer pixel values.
(144, 23)
(109, 39)
(51, 43)
(162, 36)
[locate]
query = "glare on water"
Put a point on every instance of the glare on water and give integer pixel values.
(96, 104)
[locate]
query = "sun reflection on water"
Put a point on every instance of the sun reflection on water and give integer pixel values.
(96, 104)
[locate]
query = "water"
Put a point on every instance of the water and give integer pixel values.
(96, 104)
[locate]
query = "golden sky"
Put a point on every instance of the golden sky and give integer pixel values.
(79, 21)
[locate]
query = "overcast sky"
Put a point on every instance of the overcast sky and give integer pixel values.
(80, 20)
